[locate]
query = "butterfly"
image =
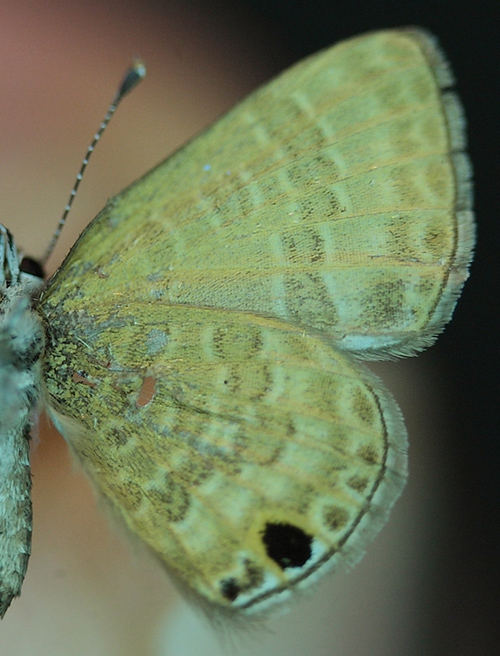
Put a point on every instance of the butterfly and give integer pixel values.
(200, 347)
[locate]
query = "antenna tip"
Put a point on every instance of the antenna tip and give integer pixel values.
(133, 76)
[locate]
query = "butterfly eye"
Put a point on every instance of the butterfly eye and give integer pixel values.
(32, 267)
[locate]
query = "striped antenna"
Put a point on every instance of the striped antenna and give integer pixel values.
(132, 77)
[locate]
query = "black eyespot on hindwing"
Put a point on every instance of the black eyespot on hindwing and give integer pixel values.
(287, 545)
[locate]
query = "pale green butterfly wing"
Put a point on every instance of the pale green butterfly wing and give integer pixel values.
(197, 331)
(247, 454)
(336, 197)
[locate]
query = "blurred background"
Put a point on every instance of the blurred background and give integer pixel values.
(430, 582)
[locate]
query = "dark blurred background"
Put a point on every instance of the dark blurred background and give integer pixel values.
(430, 584)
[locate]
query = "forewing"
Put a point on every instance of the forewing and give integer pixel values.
(337, 197)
